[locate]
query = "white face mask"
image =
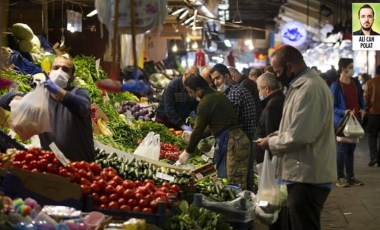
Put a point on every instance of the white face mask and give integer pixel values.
(198, 99)
(350, 73)
(59, 77)
(261, 98)
(222, 87)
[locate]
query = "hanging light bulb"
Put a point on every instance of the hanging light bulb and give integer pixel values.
(194, 46)
(188, 39)
(248, 42)
(175, 48)
(251, 47)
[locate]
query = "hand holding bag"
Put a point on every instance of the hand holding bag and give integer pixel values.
(353, 127)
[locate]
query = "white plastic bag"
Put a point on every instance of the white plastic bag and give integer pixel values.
(149, 147)
(353, 127)
(30, 115)
(268, 191)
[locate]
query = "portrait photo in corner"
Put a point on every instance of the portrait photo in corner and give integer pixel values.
(366, 26)
(364, 19)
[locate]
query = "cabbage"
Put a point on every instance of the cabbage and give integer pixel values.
(22, 31)
(25, 46)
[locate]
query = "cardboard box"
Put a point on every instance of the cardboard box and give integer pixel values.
(50, 186)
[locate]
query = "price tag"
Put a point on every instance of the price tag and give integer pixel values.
(199, 176)
(164, 176)
(205, 158)
(59, 154)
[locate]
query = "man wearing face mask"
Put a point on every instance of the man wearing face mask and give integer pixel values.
(243, 103)
(305, 142)
(176, 105)
(216, 116)
(69, 109)
(273, 101)
(348, 96)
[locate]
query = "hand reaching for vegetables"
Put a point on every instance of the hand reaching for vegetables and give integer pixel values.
(183, 158)
(51, 86)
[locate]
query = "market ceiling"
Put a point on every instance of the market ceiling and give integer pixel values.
(260, 14)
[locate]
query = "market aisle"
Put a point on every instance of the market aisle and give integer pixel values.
(355, 207)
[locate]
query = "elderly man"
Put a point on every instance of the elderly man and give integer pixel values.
(243, 103)
(205, 73)
(305, 142)
(176, 105)
(70, 113)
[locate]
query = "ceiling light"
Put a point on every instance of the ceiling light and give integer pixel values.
(237, 17)
(175, 48)
(92, 13)
(194, 46)
(183, 15)
(227, 43)
(178, 11)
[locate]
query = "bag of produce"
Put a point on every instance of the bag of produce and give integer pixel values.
(149, 147)
(269, 191)
(353, 127)
(30, 115)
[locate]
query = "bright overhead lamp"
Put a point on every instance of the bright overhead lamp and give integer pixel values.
(179, 11)
(184, 14)
(92, 13)
(227, 43)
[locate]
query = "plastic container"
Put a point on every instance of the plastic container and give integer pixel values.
(93, 219)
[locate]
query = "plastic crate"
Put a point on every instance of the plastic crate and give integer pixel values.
(239, 219)
(157, 218)
(14, 188)
(6, 142)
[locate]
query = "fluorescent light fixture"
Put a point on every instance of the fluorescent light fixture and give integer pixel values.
(194, 46)
(189, 19)
(92, 13)
(184, 14)
(227, 43)
(178, 11)
(248, 42)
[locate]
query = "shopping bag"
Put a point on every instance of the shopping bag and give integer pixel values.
(149, 147)
(339, 128)
(30, 115)
(353, 127)
(268, 193)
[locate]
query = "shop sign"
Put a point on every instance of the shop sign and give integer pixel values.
(294, 33)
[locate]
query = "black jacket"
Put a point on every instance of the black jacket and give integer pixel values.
(269, 121)
(360, 32)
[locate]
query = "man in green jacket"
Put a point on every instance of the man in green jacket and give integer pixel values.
(216, 115)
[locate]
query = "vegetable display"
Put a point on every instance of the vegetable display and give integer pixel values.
(216, 191)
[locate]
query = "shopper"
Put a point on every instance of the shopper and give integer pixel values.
(273, 101)
(205, 73)
(372, 99)
(244, 105)
(305, 141)
(175, 105)
(250, 85)
(215, 112)
(254, 73)
(348, 96)
(69, 108)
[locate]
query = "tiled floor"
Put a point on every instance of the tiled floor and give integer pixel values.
(355, 207)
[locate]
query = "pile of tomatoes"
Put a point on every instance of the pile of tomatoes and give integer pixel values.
(169, 151)
(107, 188)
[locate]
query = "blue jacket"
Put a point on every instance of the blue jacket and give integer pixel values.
(339, 101)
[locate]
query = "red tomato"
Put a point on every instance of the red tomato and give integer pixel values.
(82, 172)
(95, 198)
(143, 203)
(110, 174)
(125, 207)
(150, 187)
(62, 171)
(139, 196)
(164, 189)
(128, 193)
(86, 189)
(33, 164)
(113, 197)
(121, 201)
(111, 169)
(142, 189)
(112, 183)
(26, 167)
(128, 184)
(95, 168)
(90, 176)
(103, 206)
(17, 164)
(147, 210)
(29, 157)
(35, 170)
(136, 209)
(94, 187)
(102, 184)
(153, 205)
(174, 188)
(42, 164)
(165, 184)
(82, 165)
(138, 183)
(132, 202)
(148, 181)
(52, 168)
(109, 189)
(85, 181)
(118, 180)
(20, 156)
(103, 199)
(119, 190)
